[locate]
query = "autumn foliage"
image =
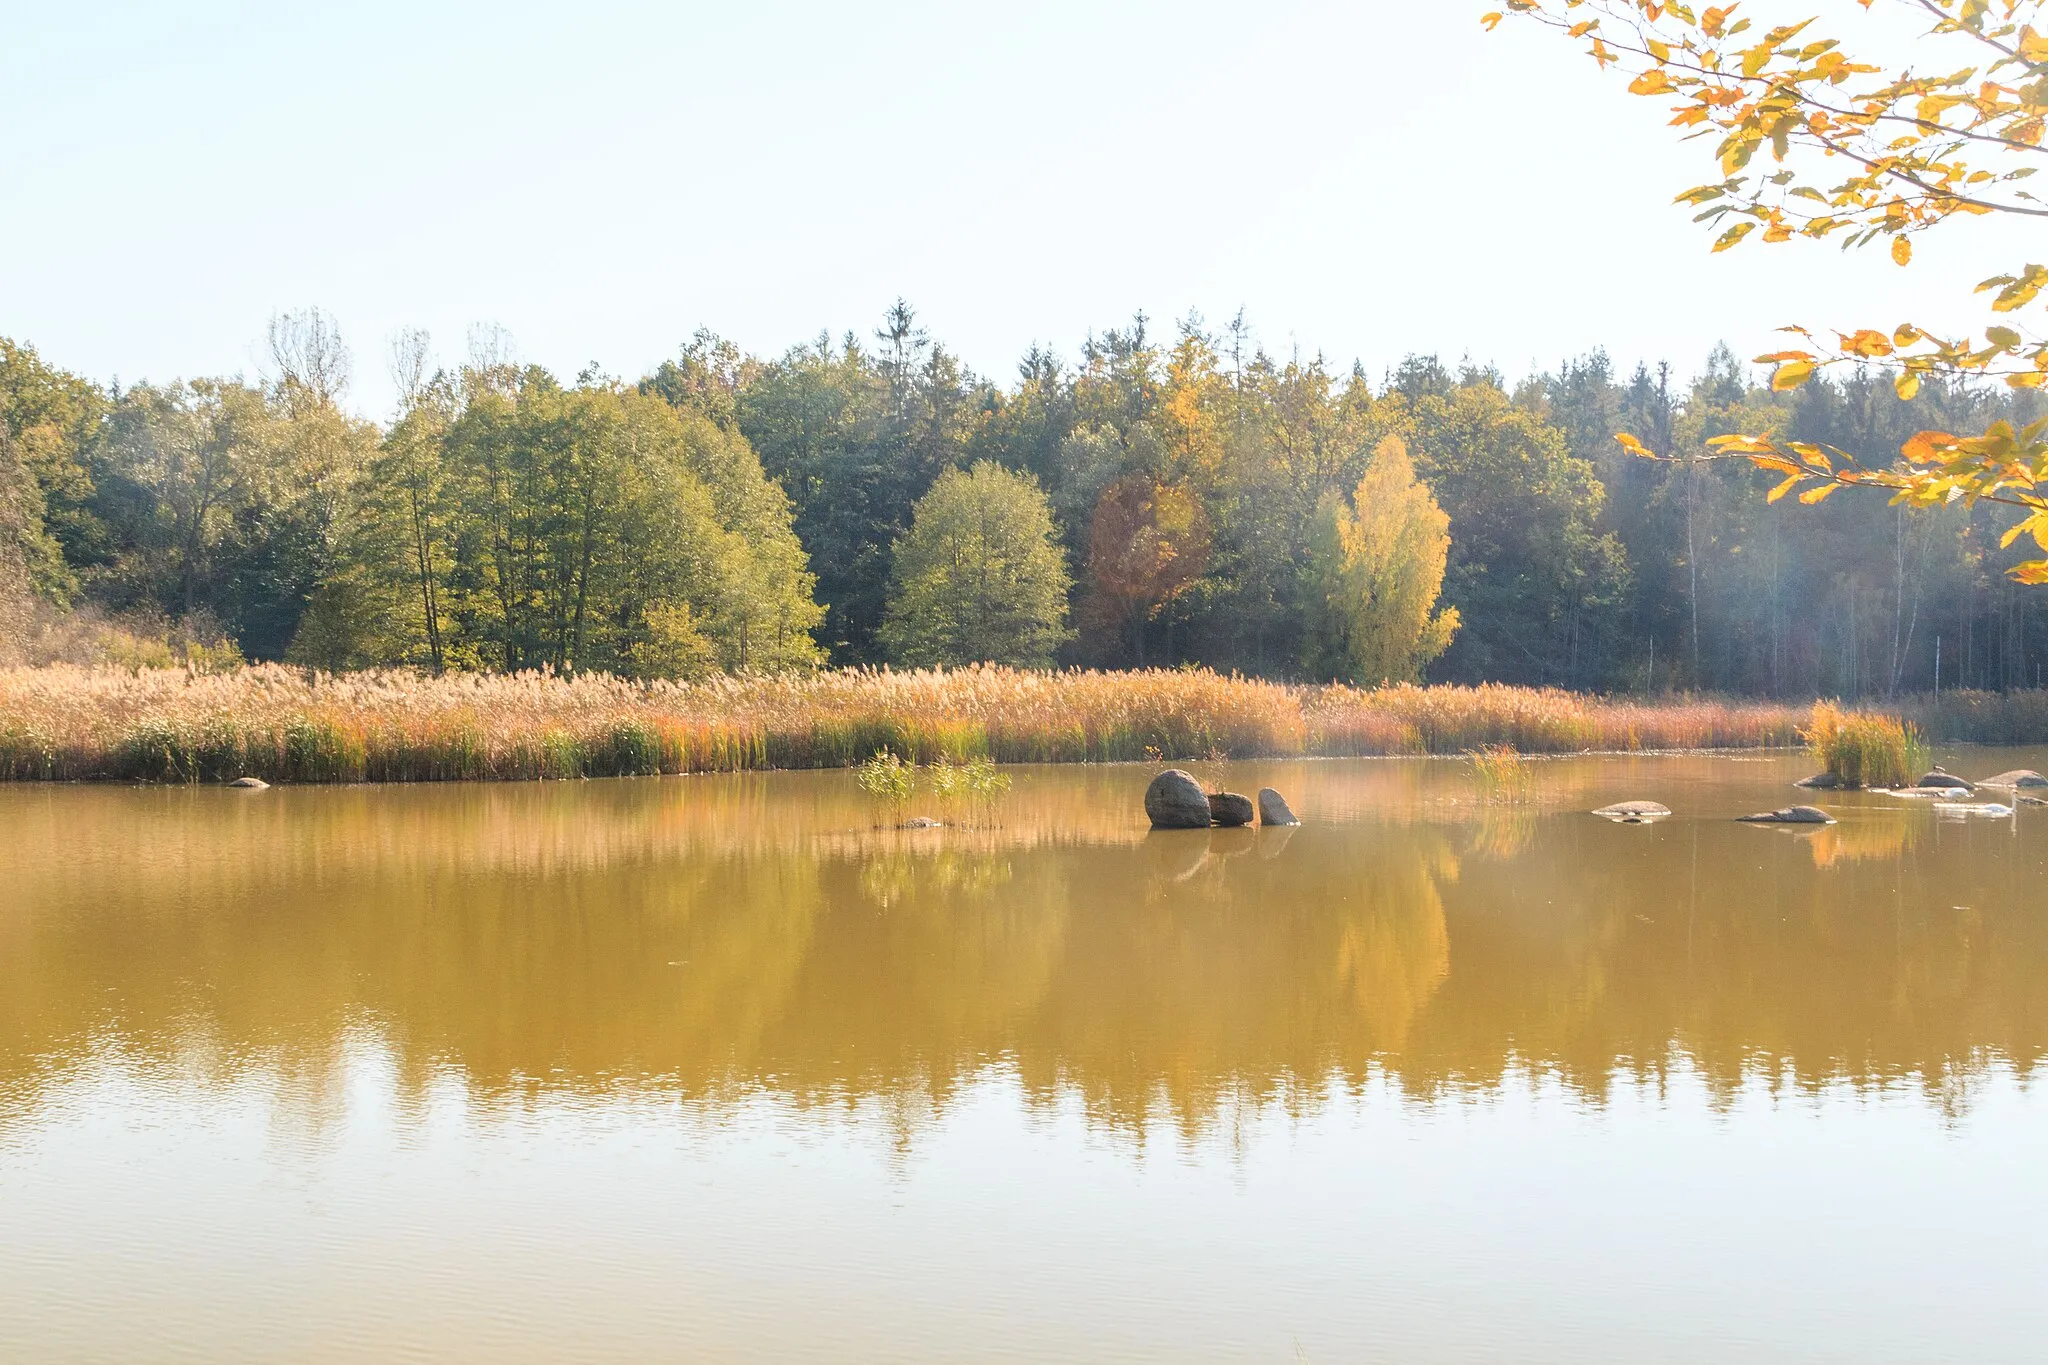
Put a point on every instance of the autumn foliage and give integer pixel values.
(1864, 154)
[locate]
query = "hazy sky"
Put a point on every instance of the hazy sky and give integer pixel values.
(1363, 178)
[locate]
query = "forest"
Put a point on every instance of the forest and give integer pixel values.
(1155, 499)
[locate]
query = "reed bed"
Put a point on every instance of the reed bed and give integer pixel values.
(1862, 749)
(288, 725)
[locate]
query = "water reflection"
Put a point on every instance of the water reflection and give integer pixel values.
(723, 937)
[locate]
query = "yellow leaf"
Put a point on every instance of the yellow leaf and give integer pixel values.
(1651, 82)
(2026, 381)
(1734, 235)
(1921, 449)
(1867, 343)
(1791, 375)
(1491, 21)
(1814, 495)
(1791, 482)
(1902, 249)
(1907, 386)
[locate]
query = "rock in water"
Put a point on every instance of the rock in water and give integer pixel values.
(1176, 801)
(1825, 782)
(1633, 812)
(920, 822)
(1939, 778)
(1791, 815)
(1273, 808)
(250, 784)
(1230, 810)
(2016, 780)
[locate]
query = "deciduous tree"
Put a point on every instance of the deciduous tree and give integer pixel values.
(980, 577)
(1376, 569)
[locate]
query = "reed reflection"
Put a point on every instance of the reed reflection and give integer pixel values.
(715, 936)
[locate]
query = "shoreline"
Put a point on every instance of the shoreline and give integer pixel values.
(289, 726)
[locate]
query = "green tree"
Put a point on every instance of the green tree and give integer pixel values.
(1537, 583)
(55, 419)
(979, 578)
(1377, 567)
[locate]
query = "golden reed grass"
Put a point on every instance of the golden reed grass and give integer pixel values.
(288, 725)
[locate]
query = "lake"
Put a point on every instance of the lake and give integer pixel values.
(713, 1068)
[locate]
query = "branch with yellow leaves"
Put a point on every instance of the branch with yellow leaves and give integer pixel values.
(1912, 141)
(2004, 466)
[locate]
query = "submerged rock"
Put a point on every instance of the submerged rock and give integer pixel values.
(1944, 779)
(250, 784)
(2016, 780)
(1791, 815)
(1273, 809)
(1825, 782)
(1176, 801)
(1633, 812)
(1960, 809)
(1230, 810)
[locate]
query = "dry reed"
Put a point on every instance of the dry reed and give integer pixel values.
(287, 725)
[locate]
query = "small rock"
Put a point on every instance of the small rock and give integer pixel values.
(921, 822)
(1825, 782)
(1791, 815)
(1960, 809)
(250, 784)
(1273, 809)
(1230, 810)
(1942, 778)
(1633, 812)
(2016, 780)
(1176, 801)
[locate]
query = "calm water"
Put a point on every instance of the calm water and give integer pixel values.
(709, 1069)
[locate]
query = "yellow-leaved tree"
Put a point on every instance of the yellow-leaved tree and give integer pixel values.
(1376, 566)
(1813, 141)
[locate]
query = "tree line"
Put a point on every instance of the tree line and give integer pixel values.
(1191, 498)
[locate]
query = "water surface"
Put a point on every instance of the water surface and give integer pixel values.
(711, 1068)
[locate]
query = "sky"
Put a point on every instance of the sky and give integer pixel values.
(1362, 179)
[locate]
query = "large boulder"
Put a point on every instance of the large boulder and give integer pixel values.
(2016, 780)
(1791, 815)
(1176, 801)
(250, 784)
(1945, 780)
(1825, 782)
(1633, 812)
(1274, 810)
(1230, 810)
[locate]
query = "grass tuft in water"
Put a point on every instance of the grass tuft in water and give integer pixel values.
(1864, 749)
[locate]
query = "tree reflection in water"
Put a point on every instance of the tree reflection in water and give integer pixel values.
(722, 937)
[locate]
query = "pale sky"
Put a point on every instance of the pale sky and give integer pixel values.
(1364, 179)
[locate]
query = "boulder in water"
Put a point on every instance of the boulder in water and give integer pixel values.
(1633, 812)
(1825, 782)
(1230, 810)
(1273, 809)
(2017, 780)
(1791, 815)
(921, 822)
(250, 784)
(1941, 778)
(1176, 801)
